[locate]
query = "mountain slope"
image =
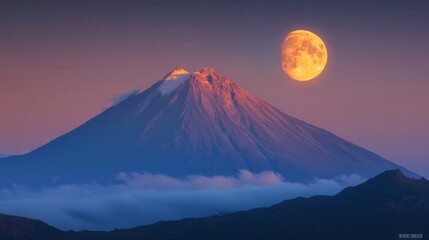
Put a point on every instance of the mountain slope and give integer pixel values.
(192, 124)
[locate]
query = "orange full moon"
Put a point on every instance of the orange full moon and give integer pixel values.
(304, 55)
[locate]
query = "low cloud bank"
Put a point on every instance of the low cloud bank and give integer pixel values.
(148, 198)
(197, 182)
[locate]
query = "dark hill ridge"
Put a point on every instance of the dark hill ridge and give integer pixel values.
(192, 124)
(12, 227)
(390, 185)
(381, 208)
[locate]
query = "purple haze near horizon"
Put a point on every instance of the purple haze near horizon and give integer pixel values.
(63, 62)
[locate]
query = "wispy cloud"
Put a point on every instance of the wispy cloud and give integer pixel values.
(117, 98)
(197, 182)
(147, 198)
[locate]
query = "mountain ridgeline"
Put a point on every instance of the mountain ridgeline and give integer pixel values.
(192, 124)
(382, 208)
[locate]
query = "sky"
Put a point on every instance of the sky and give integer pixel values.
(63, 62)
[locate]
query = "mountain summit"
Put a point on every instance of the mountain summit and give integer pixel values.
(193, 124)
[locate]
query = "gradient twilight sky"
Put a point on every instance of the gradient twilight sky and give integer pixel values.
(62, 62)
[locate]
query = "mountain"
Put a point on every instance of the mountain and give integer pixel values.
(192, 124)
(381, 208)
(12, 227)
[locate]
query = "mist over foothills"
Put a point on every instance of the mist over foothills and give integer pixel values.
(141, 199)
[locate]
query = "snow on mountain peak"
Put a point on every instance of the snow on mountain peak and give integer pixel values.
(175, 73)
(172, 80)
(178, 75)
